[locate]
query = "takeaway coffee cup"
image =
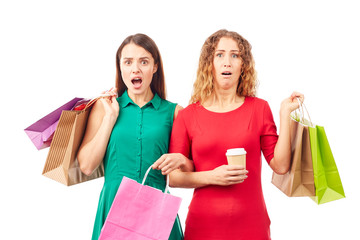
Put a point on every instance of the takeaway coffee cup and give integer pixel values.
(236, 156)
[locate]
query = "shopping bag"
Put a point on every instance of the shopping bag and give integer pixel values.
(326, 175)
(299, 180)
(61, 164)
(42, 131)
(140, 212)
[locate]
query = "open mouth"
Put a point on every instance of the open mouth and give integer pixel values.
(136, 82)
(226, 73)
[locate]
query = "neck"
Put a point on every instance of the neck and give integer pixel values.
(224, 97)
(223, 101)
(143, 98)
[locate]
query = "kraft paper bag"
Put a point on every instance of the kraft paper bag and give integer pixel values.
(299, 180)
(326, 175)
(61, 164)
(140, 212)
(42, 131)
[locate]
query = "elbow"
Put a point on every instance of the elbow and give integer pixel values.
(280, 168)
(281, 171)
(84, 168)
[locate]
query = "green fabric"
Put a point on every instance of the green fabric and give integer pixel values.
(327, 180)
(139, 137)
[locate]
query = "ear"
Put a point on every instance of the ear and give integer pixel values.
(155, 68)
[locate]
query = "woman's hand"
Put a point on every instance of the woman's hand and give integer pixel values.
(291, 103)
(226, 175)
(169, 162)
(280, 164)
(111, 106)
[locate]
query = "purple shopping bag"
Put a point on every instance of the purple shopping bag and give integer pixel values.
(42, 131)
(140, 212)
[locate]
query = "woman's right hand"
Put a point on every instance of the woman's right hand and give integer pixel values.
(111, 106)
(226, 175)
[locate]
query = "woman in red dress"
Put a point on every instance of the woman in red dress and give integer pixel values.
(224, 113)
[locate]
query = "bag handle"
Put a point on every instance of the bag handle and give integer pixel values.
(167, 179)
(302, 115)
(92, 101)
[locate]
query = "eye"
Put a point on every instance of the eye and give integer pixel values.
(127, 62)
(235, 55)
(219, 55)
(144, 62)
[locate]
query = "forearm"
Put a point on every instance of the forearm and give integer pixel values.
(282, 153)
(92, 153)
(182, 179)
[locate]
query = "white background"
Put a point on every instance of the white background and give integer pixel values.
(52, 51)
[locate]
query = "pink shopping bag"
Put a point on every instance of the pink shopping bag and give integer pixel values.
(140, 212)
(42, 131)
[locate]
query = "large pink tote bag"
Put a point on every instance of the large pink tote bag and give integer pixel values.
(140, 212)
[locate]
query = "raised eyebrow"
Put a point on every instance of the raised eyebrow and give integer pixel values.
(225, 51)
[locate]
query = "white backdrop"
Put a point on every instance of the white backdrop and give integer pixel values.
(52, 51)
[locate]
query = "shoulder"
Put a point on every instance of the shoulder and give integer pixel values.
(257, 101)
(167, 104)
(189, 110)
(177, 109)
(258, 106)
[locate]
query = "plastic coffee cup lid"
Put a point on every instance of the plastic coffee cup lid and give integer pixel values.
(235, 151)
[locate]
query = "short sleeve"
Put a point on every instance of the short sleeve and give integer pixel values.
(269, 136)
(180, 141)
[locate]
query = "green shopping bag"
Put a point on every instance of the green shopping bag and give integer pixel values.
(328, 186)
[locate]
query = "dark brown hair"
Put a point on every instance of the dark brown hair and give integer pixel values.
(158, 81)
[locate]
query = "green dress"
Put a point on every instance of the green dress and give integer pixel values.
(139, 137)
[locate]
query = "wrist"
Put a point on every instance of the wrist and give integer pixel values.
(110, 119)
(208, 179)
(285, 113)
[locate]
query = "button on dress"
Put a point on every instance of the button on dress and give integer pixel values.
(139, 137)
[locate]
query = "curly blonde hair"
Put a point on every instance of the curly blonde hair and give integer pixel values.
(204, 83)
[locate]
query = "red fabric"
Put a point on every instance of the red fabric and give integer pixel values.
(231, 212)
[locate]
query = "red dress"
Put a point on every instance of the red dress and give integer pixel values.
(230, 212)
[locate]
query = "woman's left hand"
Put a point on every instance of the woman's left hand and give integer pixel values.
(291, 103)
(169, 162)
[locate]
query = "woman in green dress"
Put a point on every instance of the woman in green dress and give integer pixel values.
(129, 133)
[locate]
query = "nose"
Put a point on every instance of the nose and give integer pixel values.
(227, 62)
(135, 68)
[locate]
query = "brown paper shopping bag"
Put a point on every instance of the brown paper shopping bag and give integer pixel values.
(299, 180)
(61, 164)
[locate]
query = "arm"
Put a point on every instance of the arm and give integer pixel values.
(100, 123)
(177, 109)
(185, 176)
(224, 175)
(171, 161)
(280, 164)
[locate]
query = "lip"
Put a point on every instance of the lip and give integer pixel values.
(226, 73)
(137, 82)
(136, 77)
